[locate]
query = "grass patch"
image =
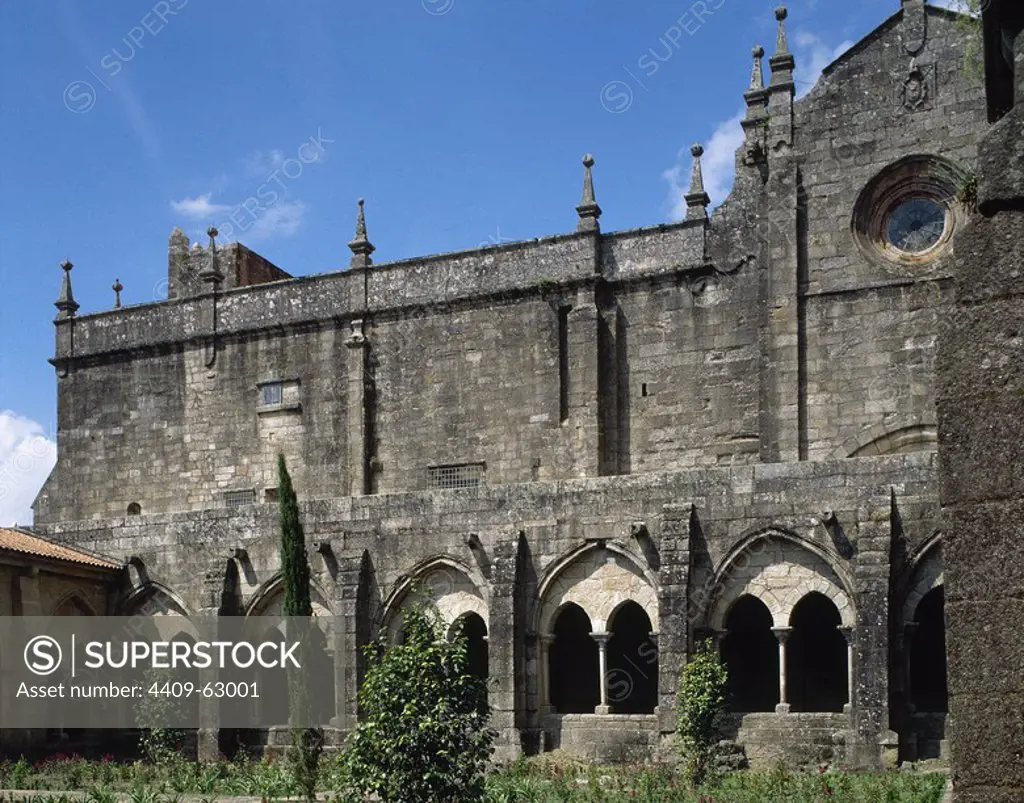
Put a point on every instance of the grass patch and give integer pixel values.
(552, 778)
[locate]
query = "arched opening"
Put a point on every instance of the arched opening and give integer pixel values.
(573, 664)
(73, 606)
(750, 652)
(190, 704)
(134, 509)
(474, 629)
(273, 685)
(928, 655)
(632, 678)
(816, 652)
(322, 675)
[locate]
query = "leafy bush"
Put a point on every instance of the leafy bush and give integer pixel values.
(423, 735)
(700, 703)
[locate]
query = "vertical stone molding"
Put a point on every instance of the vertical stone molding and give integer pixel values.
(678, 523)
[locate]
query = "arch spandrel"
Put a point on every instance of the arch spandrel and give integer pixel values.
(443, 585)
(599, 580)
(779, 570)
(928, 574)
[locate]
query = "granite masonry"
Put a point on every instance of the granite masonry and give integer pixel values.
(595, 451)
(981, 413)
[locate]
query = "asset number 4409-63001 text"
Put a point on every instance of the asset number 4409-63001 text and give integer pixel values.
(213, 689)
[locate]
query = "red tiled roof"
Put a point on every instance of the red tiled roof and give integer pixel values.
(21, 541)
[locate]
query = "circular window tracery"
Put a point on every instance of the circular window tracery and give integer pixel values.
(907, 214)
(916, 225)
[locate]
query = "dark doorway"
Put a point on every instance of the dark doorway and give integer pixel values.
(928, 655)
(190, 705)
(572, 663)
(816, 677)
(272, 684)
(750, 652)
(475, 630)
(632, 680)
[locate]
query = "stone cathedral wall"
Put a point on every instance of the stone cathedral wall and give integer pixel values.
(665, 400)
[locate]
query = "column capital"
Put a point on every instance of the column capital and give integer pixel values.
(848, 631)
(782, 633)
(601, 637)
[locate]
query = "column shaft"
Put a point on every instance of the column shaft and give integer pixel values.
(782, 634)
(602, 668)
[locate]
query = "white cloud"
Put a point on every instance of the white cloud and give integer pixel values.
(199, 207)
(718, 166)
(26, 458)
(279, 220)
(263, 163)
(813, 56)
(718, 163)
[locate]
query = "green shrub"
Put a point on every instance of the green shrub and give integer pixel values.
(423, 735)
(700, 703)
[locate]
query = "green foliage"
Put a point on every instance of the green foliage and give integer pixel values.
(967, 190)
(543, 779)
(970, 26)
(153, 712)
(534, 780)
(700, 703)
(423, 735)
(307, 742)
(294, 563)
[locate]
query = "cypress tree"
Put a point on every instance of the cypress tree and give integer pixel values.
(307, 742)
(294, 563)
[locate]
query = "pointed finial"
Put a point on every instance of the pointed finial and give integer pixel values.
(588, 210)
(757, 77)
(782, 62)
(361, 245)
(211, 273)
(697, 200)
(65, 303)
(781, 44)
(117, 287)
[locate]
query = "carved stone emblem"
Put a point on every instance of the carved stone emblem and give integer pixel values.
(916, 91)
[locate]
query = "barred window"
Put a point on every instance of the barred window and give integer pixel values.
(240, 498)
(463, 475)
(271, 393)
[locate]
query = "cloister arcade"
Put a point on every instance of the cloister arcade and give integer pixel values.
(597, 628)
(784, 619)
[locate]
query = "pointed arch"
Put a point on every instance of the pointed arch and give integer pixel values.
(925, 572)
(446, 584)
(268, 599)
(73, 604)
(152, 598)
(912, 434)
(599, 577)
(779, 568)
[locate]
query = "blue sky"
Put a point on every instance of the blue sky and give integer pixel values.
(462, 122)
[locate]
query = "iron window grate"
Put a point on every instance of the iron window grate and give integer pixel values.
(240, 498)
(463, 475)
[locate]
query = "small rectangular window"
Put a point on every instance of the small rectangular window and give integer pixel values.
(272, 393)
(240, 498)
(463, 475)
